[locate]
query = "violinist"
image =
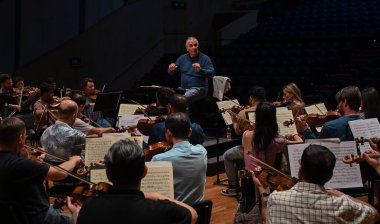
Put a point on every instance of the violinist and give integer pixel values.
(177, 103)
(29, 95)
(189, 161)
(162, 100)
(9, 103)
(90, 93)
(61, 139)
(125, 203)
(257, 94)
(349, 101)
(44, 113)
(292, 99)
(308, 201)
(22, 180)
(370, 103)
(82, 123)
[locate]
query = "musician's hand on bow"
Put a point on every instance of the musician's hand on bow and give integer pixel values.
(261, 185)
(172, 67)
(372, 142)
(301, 124)
(197, 67)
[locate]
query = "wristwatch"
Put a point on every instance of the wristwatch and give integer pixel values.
(265, 194)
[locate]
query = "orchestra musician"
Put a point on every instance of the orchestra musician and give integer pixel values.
(125, 168)
(257, 94)
(292, 99)
(29, 95)
(6, 90)
(370, 103)
(195, 68)
(43, 112)
(189, 161)
(90, 93)
(177, 103)
(162, 100)
(308, 200)
(349, 101)
(61, 139)
(81, 121)
(22, 180)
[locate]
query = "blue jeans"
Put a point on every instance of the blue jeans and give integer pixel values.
(195, 93)
(229, 156)
(56, 216)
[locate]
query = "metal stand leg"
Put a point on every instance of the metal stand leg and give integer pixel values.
(218, 180)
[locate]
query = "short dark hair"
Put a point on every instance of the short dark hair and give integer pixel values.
(257, 92)
(317, 164)
(17, 79)
(50, 80)
(352, 95)
(45, 87)
(371, 103)
(163, 95)
(4, 77)
(79, 99)
(179, 103)
(10, 129)
(179, 125)
(85, 81)
(125, 162)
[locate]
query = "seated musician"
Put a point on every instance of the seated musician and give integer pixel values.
(256, 96)
(308, 201)
(29, 96)
(125, 203)
(88, 87)
(177, 103)
(22, 180)
(61, 139)
(292, 99)
(6, 90)
(349, 101)
(189, 161)
(162, 100)
(43, 112)
(82, 123)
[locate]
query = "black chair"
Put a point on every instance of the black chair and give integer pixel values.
(12, 213)
(203, 208)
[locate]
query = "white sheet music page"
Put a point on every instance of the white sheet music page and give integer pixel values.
(344, 175)
(127, 109)
(318, 108)
(159, 178)
(129, 120)
(367, 128)
(282, 116)
(227, 104)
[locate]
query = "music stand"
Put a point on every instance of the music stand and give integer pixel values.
(107, 101)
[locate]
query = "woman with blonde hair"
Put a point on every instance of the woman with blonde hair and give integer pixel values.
(292, 99)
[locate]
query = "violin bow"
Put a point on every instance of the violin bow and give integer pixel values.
(19, 103)
(234, 102)
(135, 102)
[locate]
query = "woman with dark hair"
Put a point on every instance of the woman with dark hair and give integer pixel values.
(264, 142)
(371, 103)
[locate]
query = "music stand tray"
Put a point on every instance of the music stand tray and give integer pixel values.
(107, 101)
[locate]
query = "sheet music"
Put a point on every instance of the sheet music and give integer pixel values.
(227, 104)
(127, 109)
(129, 120)
(251, 116)
(344, 175)
(159, 178)
(285, 115)
(96, 148)
(368, 128)
(318, 108)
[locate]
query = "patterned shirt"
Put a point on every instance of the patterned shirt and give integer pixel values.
(310, 203)
(63, 141)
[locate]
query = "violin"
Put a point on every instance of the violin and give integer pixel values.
(146, 125)
(362, 140)
(276, 179)
(156, 148)
(56, 101)
(350, 159)
(247, 124)
(283, 103)
(317, 120)
(94, 95)
(82, 192)
(146, 110)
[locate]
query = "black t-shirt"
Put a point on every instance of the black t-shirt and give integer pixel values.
(21, 181)
(130, 206)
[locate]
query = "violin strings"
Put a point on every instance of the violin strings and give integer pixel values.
(268, 166)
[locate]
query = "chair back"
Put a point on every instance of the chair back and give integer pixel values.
(203, 208)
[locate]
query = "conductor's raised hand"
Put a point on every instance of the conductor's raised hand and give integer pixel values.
(172, 67)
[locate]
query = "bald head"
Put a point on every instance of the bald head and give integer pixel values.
(67, 111)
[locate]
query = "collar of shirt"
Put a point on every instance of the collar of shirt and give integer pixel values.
(183, 144)
(60, 123)
(309, 187)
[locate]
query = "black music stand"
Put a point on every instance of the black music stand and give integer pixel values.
(218, 181)
(107, 101)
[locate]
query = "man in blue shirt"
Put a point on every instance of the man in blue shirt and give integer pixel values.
(177, 103)
(349, 101)
(195, 68)
(189, 161)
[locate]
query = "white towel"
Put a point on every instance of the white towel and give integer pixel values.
(221, 85)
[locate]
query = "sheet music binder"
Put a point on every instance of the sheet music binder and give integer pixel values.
(107, 101)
